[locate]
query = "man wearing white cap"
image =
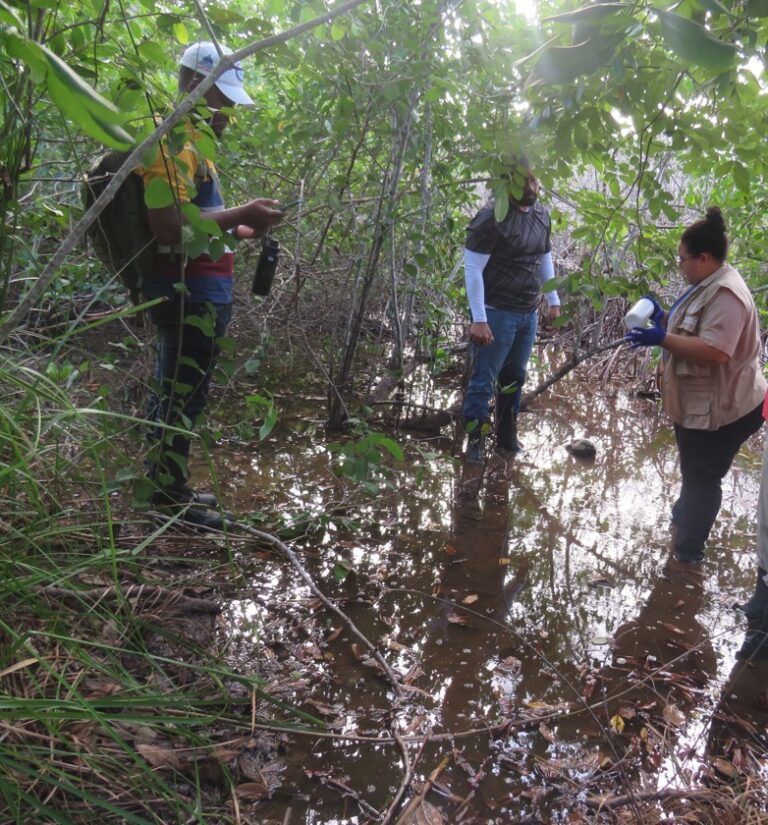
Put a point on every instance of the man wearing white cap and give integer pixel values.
(194, 318)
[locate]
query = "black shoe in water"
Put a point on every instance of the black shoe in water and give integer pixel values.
(757, 606)
(475, 453)
(206, 499)
(187, 508)
(755, 644)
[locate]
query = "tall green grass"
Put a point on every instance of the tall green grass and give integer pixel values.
(98, 722)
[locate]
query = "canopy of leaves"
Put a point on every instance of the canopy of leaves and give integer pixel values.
(635, 114)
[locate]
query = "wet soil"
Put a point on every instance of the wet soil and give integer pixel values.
(549, 656)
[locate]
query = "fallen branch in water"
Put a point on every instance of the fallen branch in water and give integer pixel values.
(645, 796)
(330, 782)
(576, 359)
(283, 548)
(391, 381)
(422, 795)
(409, 770)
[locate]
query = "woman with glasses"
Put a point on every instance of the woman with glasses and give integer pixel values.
(713, 386)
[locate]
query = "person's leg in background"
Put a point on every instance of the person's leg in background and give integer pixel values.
(705, 458)
(188, 345)
(756, 609)
(510, 382)
(488, 361)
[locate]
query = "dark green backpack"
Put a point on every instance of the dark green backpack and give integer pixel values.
(121, 236)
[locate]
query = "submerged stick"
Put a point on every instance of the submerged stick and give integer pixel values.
(293, 558)
(422, 795)
(645, 796)
(408, 770)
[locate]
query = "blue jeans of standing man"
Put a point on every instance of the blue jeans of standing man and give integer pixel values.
(188, 336)
(505, 361)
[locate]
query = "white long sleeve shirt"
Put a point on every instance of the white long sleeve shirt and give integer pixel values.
(474, 264)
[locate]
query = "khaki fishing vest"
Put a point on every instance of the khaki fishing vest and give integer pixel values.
(709, 396)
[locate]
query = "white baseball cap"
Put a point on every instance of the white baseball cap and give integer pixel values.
(203, 57)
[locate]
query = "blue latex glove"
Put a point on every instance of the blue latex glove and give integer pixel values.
(658, 312)
(646, 336)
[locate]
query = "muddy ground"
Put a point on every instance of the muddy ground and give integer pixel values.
(552, 666)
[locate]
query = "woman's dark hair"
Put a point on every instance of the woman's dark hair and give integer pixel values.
(707, 235)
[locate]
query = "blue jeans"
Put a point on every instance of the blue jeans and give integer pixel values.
(504, 361)
(188, 338)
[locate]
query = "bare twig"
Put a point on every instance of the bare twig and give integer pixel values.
(645, 796)
(576, 359)
(421, 796)
(409, 768)
(291, 556)
(368, 809)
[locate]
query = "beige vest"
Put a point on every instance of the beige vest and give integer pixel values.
(709, 396)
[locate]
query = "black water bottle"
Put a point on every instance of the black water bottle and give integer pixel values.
(265, 268)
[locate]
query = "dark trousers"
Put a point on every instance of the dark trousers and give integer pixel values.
(705, 458)
(188, 336)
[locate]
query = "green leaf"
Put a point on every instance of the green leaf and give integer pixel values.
(205, 324)
(180, 33)
(741, 176)
(337, 31)
(392, 447)
(715, 6)
(99, 107)
(307, 13)
(68, 103)
(269, 423)
(501, 204)
(158, 194)
(77, 101)
(341, 570)
(152, 52)
(550, 286)
(561, 64)
(695, 43)
(9, 17)
(25, 51)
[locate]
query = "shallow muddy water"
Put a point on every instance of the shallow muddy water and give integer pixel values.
(538, 597)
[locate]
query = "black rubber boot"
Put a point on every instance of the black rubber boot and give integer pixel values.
(755, 644)
(757, 606)
(185, 506)
(206, 499)
(475, 453)
(506, 424)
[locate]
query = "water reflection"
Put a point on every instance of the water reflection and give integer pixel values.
(544, 586)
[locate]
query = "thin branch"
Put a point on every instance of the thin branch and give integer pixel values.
(646, 796)
(292, 557)
(421, 796)
(576, 359)
(409, 768)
